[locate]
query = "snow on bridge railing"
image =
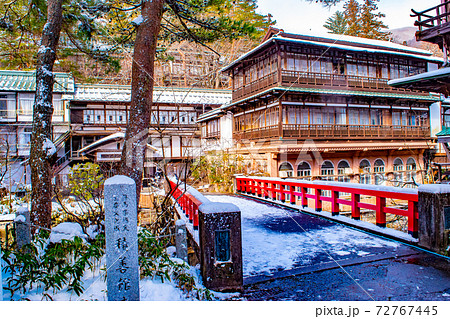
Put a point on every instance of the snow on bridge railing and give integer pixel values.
(296, 192)
(189, 200)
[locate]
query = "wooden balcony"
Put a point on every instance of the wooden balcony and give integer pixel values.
(433, 23)
(316, 80)
(331, 131)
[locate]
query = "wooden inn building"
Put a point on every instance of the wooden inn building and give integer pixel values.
(320, 107)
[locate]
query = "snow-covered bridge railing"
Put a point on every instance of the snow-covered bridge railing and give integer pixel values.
(216, 229)
(297, 192)
(189, 200)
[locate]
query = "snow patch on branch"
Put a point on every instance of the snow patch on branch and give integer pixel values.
(49, 147)
(137, 21)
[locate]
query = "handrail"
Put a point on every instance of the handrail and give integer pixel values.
(189, 200)
(295, 191)
(441, 16)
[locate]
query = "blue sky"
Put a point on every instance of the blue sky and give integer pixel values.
(302, 16)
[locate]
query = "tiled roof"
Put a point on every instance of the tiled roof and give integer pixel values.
(122, 93)
(25, 81)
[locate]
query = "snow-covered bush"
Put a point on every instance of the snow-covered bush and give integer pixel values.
(155, 263)
(51, 267)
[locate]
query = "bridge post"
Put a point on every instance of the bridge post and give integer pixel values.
(221, 246)
(434, 217)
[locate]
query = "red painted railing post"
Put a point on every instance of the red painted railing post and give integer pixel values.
(191, 210)
(380, 214)
(185, 207)
(318, 201)
(303, 197)
(195, 209)
(334, 203)
(356, 211)
(292, 196)
(259, 189)
(273, 190)
(413, 220)
(283, 195)
(266, 190)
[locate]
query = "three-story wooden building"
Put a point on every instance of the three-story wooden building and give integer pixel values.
(320, 107)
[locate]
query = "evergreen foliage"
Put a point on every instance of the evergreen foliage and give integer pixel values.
(337, 23)
(359, 20)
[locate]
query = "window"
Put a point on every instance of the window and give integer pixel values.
(286, 170)
(376, 117)
(304, 170)
(378, 168)
(58, 105)
(327, 171)
(7, 105)
(88, 116)
(398, 172)
(343, 171)
(26, 102)
(411, 174)
(364, 170)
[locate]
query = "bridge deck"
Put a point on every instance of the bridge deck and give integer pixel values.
(280, 243)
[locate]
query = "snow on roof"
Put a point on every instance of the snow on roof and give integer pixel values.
(443, 72)
(348, 43)
(102, 141)
(122, 93)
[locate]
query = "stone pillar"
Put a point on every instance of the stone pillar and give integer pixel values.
(221, 246)
(181, 240)
(434, 217)
(121, 239)
(23, 227)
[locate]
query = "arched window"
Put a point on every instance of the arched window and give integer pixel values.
(304, 170)
(327, 171)
(343, 171)
(378, 168)
(364, 169)
(411, 173)
(286, 170)
(411, 164)
(398, 171)
(398, 165)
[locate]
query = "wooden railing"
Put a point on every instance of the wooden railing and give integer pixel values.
(355, 131)
(298, 192)
(314, 79)
(336, 131)
(432, 17)
(189, 200)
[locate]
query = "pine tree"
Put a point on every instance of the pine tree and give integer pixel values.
(337, 23)
(371, 26)
(352, 16)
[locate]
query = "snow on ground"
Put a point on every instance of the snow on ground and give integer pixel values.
(276, 239)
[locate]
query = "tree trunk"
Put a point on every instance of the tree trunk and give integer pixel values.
(142, 80)
(41, 170)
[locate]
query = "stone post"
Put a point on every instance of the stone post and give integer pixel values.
(434, 217)
(221, 246)
(181, 239)
(121, 239)
(23, 227)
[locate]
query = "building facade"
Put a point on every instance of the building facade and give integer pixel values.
(17, 92)
(99, 115)
(320, 107)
